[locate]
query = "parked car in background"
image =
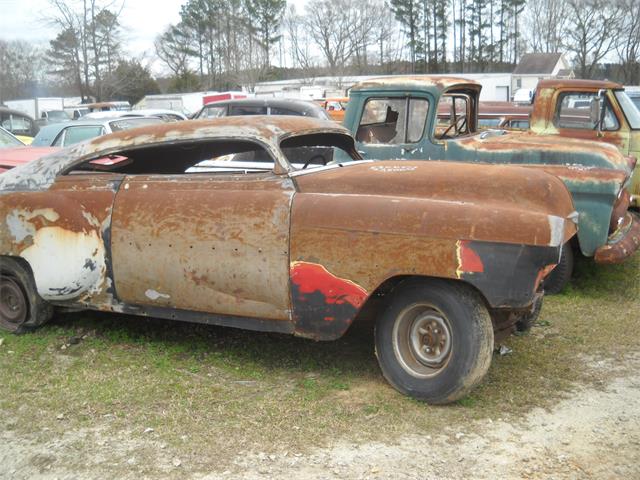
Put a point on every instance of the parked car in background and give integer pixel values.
(253, 106)
(13, 152)
(18, 123)
(65, 134)
(11, 157)
(49, 117)
(7, 139)
(106, 106)
(335, 107)
(305, 239)
(164, 114)
(76, 112)
(503, 115)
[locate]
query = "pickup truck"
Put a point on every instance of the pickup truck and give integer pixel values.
(590, 110)
(400, 118)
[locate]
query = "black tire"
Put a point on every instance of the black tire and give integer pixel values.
(560, 276)
(435, 340)
(21, 308)
(526, 321)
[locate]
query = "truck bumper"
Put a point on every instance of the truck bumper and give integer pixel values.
(621, 244)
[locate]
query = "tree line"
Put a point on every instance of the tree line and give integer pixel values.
(225, 44)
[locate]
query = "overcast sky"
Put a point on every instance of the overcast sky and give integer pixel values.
(142, 21)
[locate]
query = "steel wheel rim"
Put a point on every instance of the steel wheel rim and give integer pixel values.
(13, 304)
(422, 340)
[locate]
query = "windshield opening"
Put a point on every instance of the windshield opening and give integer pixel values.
(318, 150)
(630, 110)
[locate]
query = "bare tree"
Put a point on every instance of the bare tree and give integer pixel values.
(592, 32)
(546, 22)
(87, 41)
(174, 48)
(299, 45)
(331, 24)
(629, 48)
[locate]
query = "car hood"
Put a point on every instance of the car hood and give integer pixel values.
(499, 203)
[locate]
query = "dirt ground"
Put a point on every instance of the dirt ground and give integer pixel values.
(594, 433)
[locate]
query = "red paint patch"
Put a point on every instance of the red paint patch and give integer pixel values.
(312, 277)
(470, 261)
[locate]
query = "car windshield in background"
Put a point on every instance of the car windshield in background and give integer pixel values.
(8, 140)
(58, 115)
(127, 123)
(630, 110)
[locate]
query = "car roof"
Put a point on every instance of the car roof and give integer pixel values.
(268, 129)
(289, 103)
(13, 111)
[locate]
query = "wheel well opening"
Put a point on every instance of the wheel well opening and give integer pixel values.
(379, 298)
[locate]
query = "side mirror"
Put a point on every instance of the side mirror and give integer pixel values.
(598, 111)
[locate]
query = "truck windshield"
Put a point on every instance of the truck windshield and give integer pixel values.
(629, 109)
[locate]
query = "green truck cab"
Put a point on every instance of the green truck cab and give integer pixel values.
(435, 118)
(590, 110)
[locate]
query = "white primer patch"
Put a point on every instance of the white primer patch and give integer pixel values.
(153, 295)
(19, 224)
(556, 227)
(66, 264)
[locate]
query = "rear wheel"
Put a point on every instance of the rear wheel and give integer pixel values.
(560, 276)
(434, 342)
(21, 308)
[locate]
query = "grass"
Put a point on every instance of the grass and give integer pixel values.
(211, 392)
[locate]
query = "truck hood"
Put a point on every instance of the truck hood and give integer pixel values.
(531, 148)
(497, 203)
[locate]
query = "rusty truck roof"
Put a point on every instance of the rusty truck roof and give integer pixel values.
(412, 81)
(560, 83)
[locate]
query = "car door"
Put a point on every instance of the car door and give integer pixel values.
(216, 241)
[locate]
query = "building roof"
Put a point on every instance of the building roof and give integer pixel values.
(535, 63)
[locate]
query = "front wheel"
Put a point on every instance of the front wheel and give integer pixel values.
(434, 342)
(21, 308)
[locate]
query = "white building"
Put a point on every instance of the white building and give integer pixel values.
(534, 67)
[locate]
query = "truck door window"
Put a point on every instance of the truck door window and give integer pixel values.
(393, 120)
(452, 116)
(576, 110)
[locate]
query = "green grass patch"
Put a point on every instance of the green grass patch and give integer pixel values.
(229, 390)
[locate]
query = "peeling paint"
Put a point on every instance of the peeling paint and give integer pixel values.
(19, 222)
(153, 295)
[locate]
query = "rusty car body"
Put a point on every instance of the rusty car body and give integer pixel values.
(397, 118)
(590, 110)
(273, 233)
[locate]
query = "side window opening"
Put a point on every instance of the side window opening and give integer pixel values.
(453, 119)
(305, 152)
(393, 120)
(218, 156)
(579, 110)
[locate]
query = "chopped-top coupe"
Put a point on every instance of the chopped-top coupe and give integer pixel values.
(276, 224)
